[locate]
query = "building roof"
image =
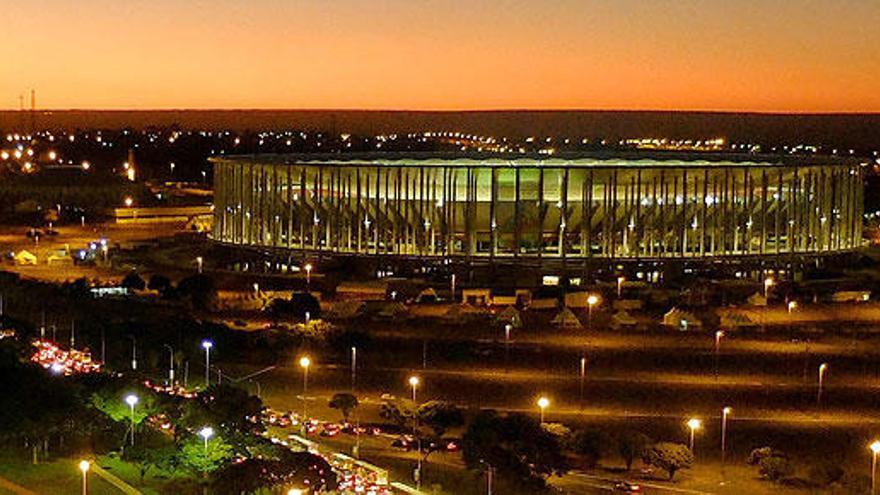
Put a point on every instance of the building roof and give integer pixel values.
(593, 159)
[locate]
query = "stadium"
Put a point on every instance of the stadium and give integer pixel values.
(545, 211)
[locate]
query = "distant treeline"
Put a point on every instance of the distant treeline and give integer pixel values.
(844, 131)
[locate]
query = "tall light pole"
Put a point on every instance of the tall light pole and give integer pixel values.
(353, 368)
(724, 415)
(823, 368)
(170, 365)
(308, 268)
(543, 403)
(507, 329)
(207, 345)
(583, 374)
(875, 449)
(768, 282)
(84, 466)
(206, 432)
(304, 363)
(592, 300)
(132, 401)
(200, 263)
(414, 383)
(620, 280)
(718, 336)
(693, 425)
(134, 348)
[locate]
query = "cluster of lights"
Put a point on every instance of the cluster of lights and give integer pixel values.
(63, 362)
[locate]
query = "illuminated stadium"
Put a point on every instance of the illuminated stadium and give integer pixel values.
(540, 210)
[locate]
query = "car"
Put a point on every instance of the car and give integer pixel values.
(627, 487)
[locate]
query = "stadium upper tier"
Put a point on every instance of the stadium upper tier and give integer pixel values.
(606, 205)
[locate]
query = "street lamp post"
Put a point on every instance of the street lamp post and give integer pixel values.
(620, 280)
(583, 374)
(131, 400)
(693, 425)
(414, 382)
(308, 268)
(206, 432)
(84, 466)
(768, 282)
(134, 361)
(718, 336)
(507, 329)
(823, 368)
(875, 449)
(592, 300)
(170, 365)
(543, 402)
(207, 345)
(724, 415)
(304, 363)
(353, 368)
(200, 263)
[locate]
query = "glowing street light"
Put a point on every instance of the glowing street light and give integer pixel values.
(823, 368)
(718, 336)
(413, 383)
(84, 466)
(132, 401)
(543, 403)
(620, 280)
(199, 262)
(206, 432)
(693, 425)
(875, 449)
(304, 363)
(507, 329)
(308, 267)
(128, 201)
(294, 491)
(207, 345)
(724, 414)
(592, 300)
(768, 282)
(792, 305)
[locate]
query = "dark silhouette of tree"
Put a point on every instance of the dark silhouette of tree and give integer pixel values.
(592, 445)
(440, 416)
(631, 445)
(669, 457)
(516, 446)
(133, 281)
(345, 402)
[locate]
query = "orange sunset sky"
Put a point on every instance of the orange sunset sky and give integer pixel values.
(758, 55)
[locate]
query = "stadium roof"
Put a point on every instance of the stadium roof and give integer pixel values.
(634, 159)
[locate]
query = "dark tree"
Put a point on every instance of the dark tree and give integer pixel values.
(133, 281)
(345, 402)
(669, 457)
(631, 445)
(440, 416)
(160, 284)
(199, 291)
(516, 446)
(302, 303)
(592, 445)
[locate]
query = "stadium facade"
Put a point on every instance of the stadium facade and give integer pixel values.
(568, 210)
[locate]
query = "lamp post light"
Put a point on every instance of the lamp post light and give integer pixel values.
(592, 300)
(693, 425)
(84, 466)
(132, 401)
(304, 363)
(792, 305)
(543, 403)
(823, 368)
(207, 345)
(353, 368)
(206, 432)
(768, 282)
(170, 365)
(200, 263)
(134, 347)
(718, 336)
(725, 413)
(413, 383)
(583, 374)
(875, 449)
(507, 329)
(308, 268)
(620, 280)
